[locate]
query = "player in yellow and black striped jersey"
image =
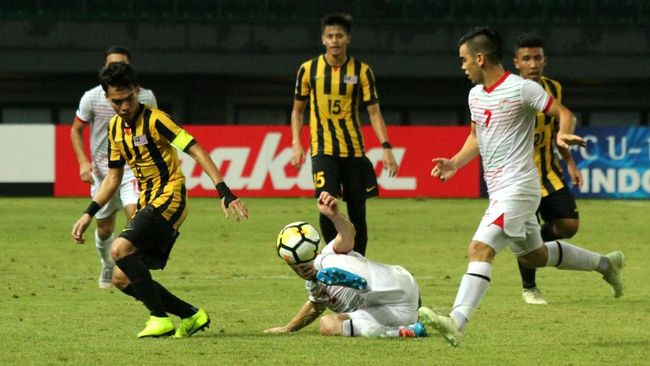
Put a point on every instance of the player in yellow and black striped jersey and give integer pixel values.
(557, 207)
(336, 85)
(144, 137)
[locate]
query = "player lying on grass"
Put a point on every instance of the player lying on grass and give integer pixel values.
(368, 299)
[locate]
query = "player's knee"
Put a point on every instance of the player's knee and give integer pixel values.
(478, 251)
(330, 326)
(105, 227)
(567, 228)
(121, 248)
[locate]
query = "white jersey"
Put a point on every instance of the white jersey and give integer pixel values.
(95, 109)
(387, 284)
(504, 116)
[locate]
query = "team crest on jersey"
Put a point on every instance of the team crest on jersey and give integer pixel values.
(350, 79)
(504, 105)
(140, 140)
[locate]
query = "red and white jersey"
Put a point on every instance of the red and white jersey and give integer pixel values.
(95, 109)
(504, 117)
(385, 282)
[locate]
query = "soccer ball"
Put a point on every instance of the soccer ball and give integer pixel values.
(298, 243)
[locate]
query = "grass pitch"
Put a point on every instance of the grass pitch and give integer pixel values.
(54, 314)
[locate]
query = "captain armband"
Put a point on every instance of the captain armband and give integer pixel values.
(183, 140)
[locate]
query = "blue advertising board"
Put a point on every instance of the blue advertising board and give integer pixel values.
(615, 163)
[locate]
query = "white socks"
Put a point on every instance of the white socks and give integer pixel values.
(368, 328)
(568, 256)
(104, 250)
(473, 286)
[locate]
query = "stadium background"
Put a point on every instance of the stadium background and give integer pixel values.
(233, 62)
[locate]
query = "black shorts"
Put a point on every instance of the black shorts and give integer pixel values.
(344, 177)
(152, 235)
(558, 205)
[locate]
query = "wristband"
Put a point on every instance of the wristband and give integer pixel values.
(92, 209)
(386, 145)
(225, 193)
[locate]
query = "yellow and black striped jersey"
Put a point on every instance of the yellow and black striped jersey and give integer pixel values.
(546, 128)
(335, 94)
(147, 148)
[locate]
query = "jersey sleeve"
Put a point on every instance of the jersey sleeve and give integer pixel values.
(115, 159)
(85, 110)
(534, 96)
(176, 135)
(302, 82)
(368, 86)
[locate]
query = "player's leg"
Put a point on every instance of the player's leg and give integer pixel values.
(105, 220)
(327, 177)
(362, 324)
(560, 214)
(567, 256)
(501, 225)
(359, 183)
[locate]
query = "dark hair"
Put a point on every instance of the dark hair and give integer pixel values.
(528, 40)
(340, 19)
(119, 50)
(119, 75)
(483, 40)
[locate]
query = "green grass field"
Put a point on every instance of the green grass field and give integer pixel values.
(52, 312)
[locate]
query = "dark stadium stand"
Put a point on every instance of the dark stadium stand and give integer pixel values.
(586, 12)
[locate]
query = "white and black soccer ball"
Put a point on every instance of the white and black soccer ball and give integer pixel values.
(298, 243)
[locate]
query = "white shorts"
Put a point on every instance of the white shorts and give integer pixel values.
(127, 194)
(510, 221)
(393, 299)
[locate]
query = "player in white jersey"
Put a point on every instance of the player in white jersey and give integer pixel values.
(368, 298)
(503, 111)
(95, 111)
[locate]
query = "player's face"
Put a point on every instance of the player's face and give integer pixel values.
(124, 101)
(470, 65)
(530, 61)
(306, 270)
(335, 40)
(116, 57)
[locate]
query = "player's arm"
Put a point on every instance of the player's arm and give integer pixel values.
(379, 126)
(567, 120)
(447, 168)
(229, 202)
(309, 312)
(297, 116)
(344, 241)
(77, 140)
(107, 189)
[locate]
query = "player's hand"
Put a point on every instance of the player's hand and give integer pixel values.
(565, 140)
(236, 208)
(297, 155)
(277, 330)
(328, 205)
(576, 175)
(80, 227)
(85, 172)
(389, 163)
(444, 169)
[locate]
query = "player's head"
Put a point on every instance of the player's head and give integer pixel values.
(530, 58)
(117, 54)
(478, 48)
(120, 83)
(335, 33)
